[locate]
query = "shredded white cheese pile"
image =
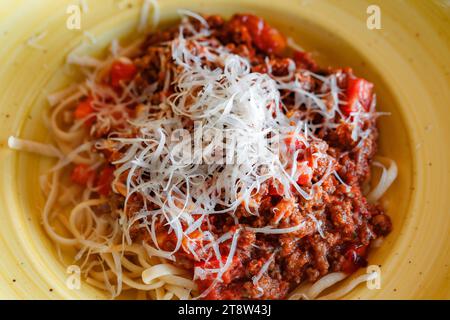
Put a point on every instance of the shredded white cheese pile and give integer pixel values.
(231, 102)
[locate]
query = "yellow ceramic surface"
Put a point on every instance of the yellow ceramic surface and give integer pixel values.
(408, 60)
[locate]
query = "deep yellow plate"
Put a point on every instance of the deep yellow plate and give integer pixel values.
(408, 59)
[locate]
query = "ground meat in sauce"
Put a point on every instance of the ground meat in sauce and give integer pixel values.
(348, 222)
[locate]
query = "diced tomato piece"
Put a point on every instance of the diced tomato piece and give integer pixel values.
(304, 172)
(265, 37)
(355, 258)
(360, 90)
(104, 181)
(121, 71)
(308, 156)
(303, 179)
(84, 109)
(82, 174)
(276, 189)
(304, 60)
(270, 40)
(293, 140)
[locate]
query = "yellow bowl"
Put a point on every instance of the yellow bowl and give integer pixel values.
(407, 59)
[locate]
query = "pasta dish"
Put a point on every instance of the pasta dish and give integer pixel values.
(214, 159)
